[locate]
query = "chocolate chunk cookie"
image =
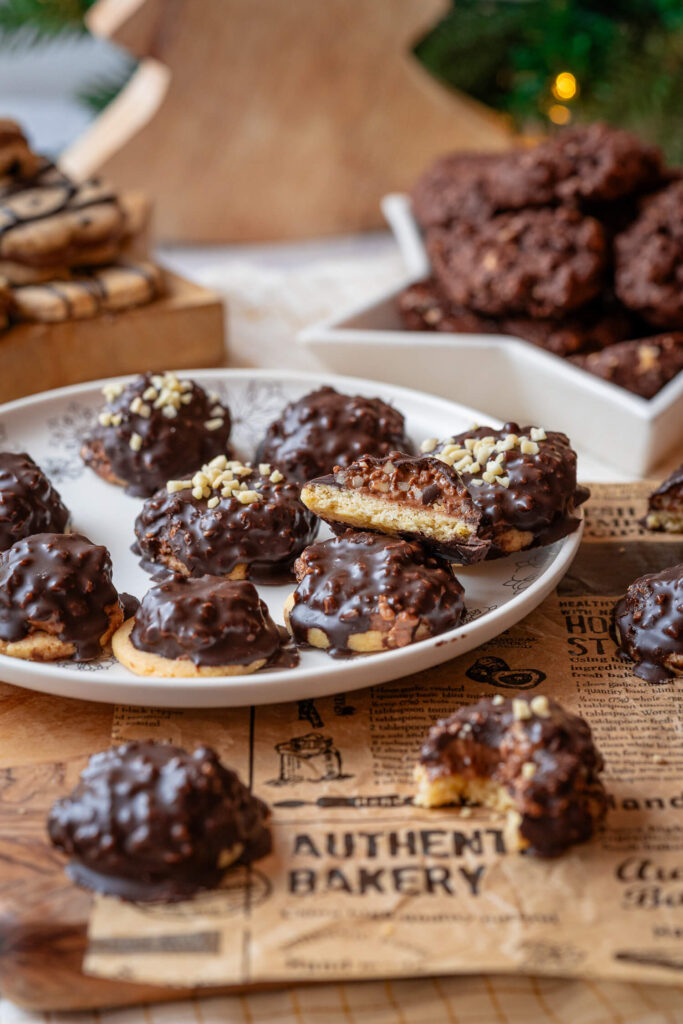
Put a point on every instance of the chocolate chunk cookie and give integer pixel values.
(541, 263)
(154, 428)
(522, 479)
(649, 259)
(643, 366)
(665, 505)
(600, 163)
(649, 625)
(415, 497)
(57, 599)
(325, 429)
(363, 592)
(230, 520)
(28, 501)
(198, 627)
(151, 822)
(525, 757)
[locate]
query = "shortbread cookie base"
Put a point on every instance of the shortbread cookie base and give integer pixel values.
(370, 642)
(144, 663)
(459, 790)
(44, 646)
(367, 512)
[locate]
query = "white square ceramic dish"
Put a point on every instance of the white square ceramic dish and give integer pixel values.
(504, 376)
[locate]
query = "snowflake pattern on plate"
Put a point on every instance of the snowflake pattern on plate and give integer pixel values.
(66, 435)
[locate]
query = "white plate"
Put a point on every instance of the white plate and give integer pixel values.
(505, 376)
(50, 426)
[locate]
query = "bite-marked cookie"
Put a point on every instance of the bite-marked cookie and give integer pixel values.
(57, 599)
(108, 289)
(187, 628)
(649, 625)
(649, 259)
(643, 366)
(228, 519)
(525, 757)
(665, 505)
(150, 821)
(363, 592)
(153, 429)
(522, 479)
(325, 429)
(416, 497)
(28, 501)
(540, 263)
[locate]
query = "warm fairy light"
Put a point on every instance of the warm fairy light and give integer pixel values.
(559, 114)
(565, 87)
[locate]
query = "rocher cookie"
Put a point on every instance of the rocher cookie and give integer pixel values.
(28, 502)
(649, 625)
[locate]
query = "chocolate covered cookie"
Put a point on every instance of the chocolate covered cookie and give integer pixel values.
(153, 429)
(325, 429)
(649, 625)
(152, 822)
(527, 758)
(665, 505)
(643, 366)
(540, 263)
(57, 598)
(362, 592)
(208, 626)
(104, 290)
(28, 502)
(230, 520)
(414, 497)
(649, 259)
(522, 480)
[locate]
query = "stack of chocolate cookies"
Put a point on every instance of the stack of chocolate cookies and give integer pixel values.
(66, 248)
(575, 245)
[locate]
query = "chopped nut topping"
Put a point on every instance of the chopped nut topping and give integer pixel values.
(104, 419)
(498, 699)
(135, 442)
(538, 434)
(212, 502)
(135, 404)
(145, 411)
(112, 391)
(276, 476)
(116, 419)
(173, 486)
(429, 444)
(504, 481)
(264, 468)
(150, 394)
(528, 769)
(214, 424)
(540, 706)
(247, 497)
(528, 447)
(520, 709)
(169, 411)
(198, 493)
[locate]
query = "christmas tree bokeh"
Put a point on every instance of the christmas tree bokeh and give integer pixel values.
(541, 62)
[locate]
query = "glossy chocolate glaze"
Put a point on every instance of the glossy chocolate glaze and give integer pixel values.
(266, 535)
(170, 446)
(210, 620)
(28, 501)
(563, 799)
(649, 622)
(149, 821)
(366, 581)
(542, 493)
(326, 429)
(672, 484)
(431, 483)
(60, 583)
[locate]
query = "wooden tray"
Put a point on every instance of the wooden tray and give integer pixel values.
(183, 329)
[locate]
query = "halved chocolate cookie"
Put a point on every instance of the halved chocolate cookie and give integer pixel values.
(665, 505)
(415, 497)
(522, 480)
(362, 593)
(525, 757)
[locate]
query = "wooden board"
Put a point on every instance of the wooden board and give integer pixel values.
(262, 119)
(183, 329)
